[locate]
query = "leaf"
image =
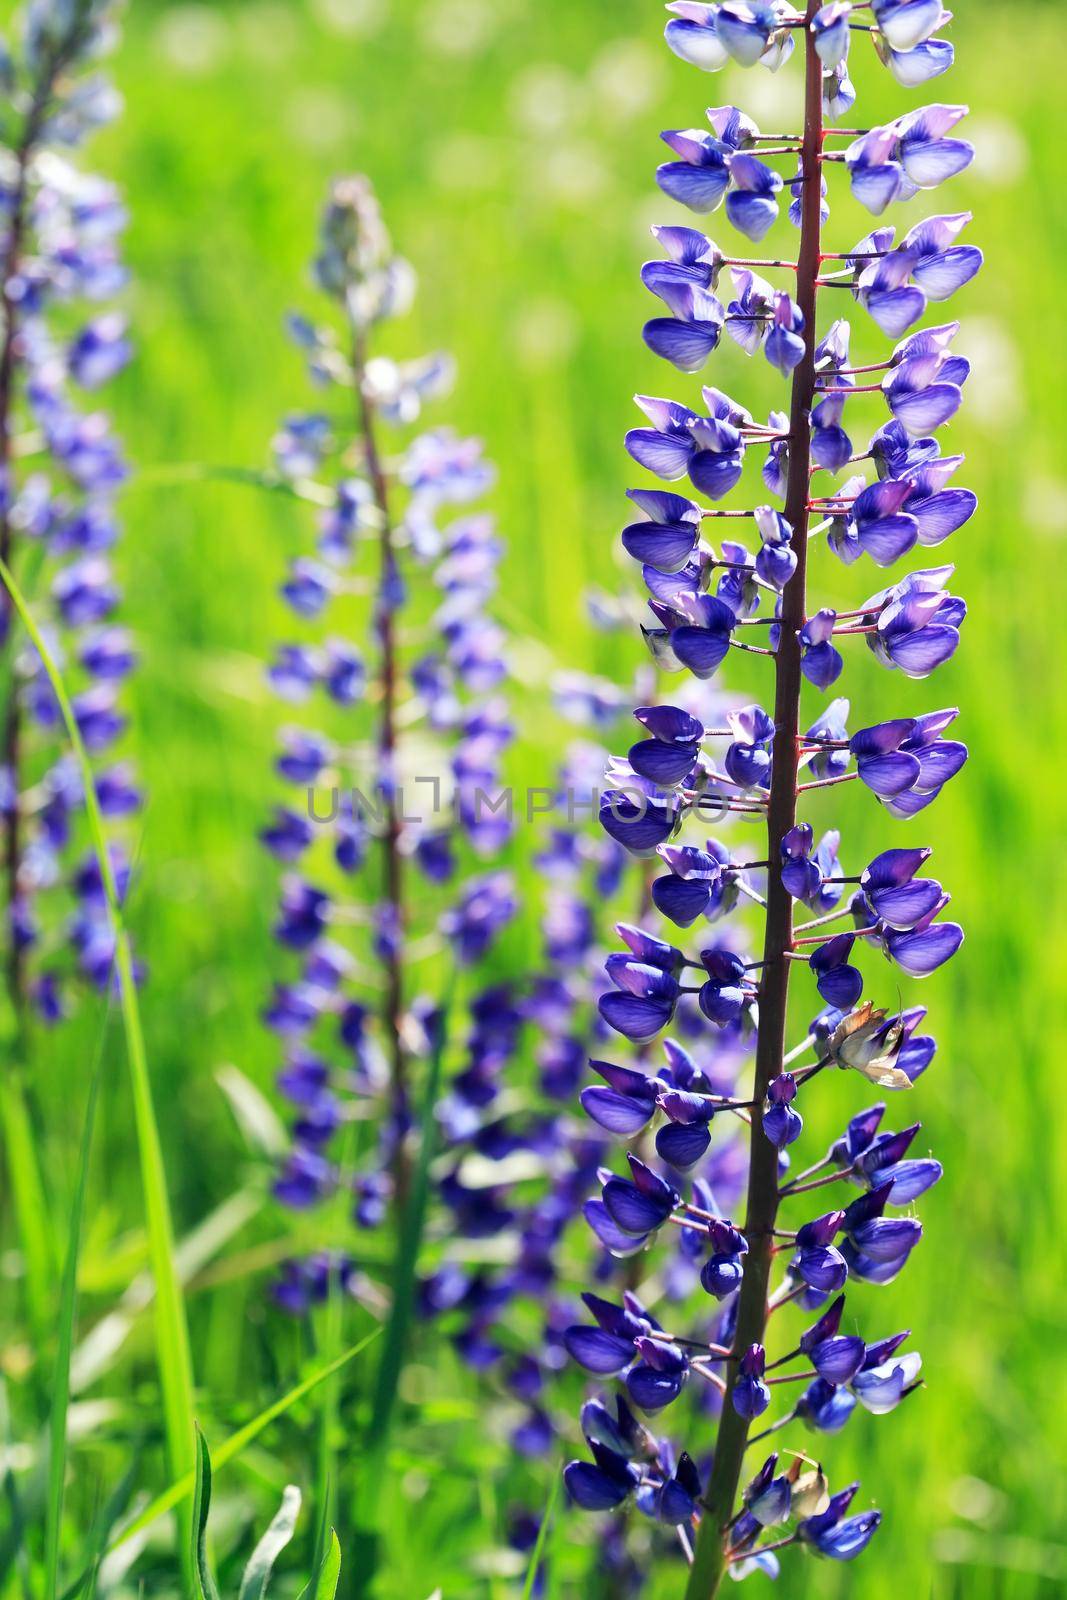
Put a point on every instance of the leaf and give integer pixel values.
(542, 1536)
(98, 1350)
(168, 474)
(21, 1152)
(12, 1541)
(114, 1507)
(407, 1258)
(257, 1119)
(205, 1588)
(258, 1571)
(324, 1584)
(173, 1360)
(68, 1301)
(237, 1442)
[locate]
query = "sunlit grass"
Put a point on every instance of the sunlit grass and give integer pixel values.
(513, 147)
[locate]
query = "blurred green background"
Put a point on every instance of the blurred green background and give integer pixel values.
(513, 146)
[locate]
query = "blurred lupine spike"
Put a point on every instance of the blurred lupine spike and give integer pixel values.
(59, 228)
(383, 550)
(705, 601)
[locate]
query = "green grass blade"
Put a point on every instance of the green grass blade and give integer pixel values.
(181, 472)
(283, 1526)
(172, 1334)
(113, 1508)
(204, 1584)
(12, 1551)
(68, 1299)
(333, 1328)
(231, 1447)
(27, 1196)
(394, 1349)
(542, 1536)
(324, 1584)
(414, 1222)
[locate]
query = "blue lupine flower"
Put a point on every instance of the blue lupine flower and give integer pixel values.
(876, 524)
(722, 1272)
(685, 1138)
(696, 885)
(748, 756)
(61, 227)
(701, 177)
(825, 1407)
(644, 1000)
(913, 68)
(639, 817)
(486, 905)
(895, 161)
(880, 1386)
(668, 756)
(701, 597)
(452, 689)
(752, 205)
(627, 1105)
(894, 285)
(833, 1534)
(658, 1378)
(668, 537)
(748, 313)
(818, 1261)
(820, 662)
(692, 35)
(782, 1123)
(678, 1498)
(904, 24)
(805, 870)
(689, 335)
(906, 762)
(724, 996)
(836, 1357)
(603, 1486)
(746, 28)
(784, 348)
(750, 1396)
(831, 31)
(717, 166)
(768, 1496)
(829, 731)
(924, 391)
(918, 622)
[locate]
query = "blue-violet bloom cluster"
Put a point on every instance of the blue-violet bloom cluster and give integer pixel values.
(393, 767)
(61, 468)
(849, 467)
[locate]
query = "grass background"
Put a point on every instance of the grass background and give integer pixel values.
(513, 146)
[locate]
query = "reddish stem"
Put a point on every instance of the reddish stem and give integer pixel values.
(392, 861)
(709, 1557)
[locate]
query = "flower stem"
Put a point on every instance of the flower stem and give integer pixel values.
(14, 964)
(709, 1556)
(392, 866)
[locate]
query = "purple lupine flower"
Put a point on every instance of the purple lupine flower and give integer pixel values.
(784, 348)
(837, 1536)
(896, 161)
(336, 1044)
(59, 233)
(750, 1395)
(707, 598)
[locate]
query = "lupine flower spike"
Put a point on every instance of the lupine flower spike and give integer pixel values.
(60, 468)
(846, 1220)
(350, 1023)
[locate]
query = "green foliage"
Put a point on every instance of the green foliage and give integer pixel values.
(517, 176)
(256, 1579)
